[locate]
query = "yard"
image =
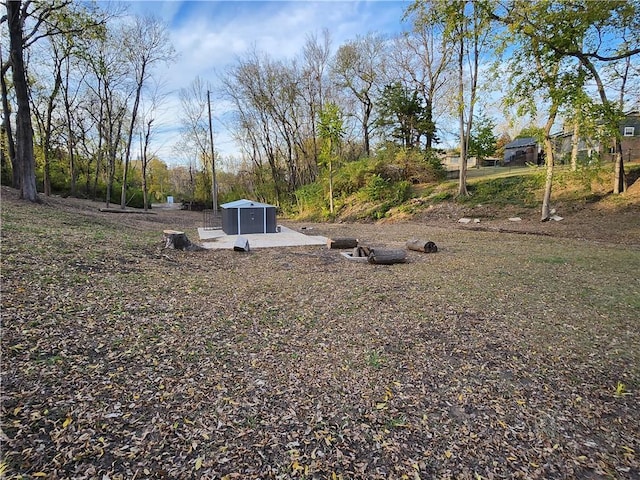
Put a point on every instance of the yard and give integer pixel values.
(504, 355)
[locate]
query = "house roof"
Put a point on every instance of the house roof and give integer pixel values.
(244, 203)
(521, 142)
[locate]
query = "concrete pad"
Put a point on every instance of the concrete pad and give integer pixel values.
(216, 239)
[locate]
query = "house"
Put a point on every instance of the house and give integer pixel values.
(630, 130)
(563, 145)
(630, 136)
(521, 152)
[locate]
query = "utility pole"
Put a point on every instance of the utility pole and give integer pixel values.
(214, 186)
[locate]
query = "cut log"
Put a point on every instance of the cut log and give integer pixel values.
(387, 257)
(343, 243)
(179, 241)
(422, 246)
(241, 245)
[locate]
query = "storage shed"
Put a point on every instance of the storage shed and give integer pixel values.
(521, 151)
(244, 216)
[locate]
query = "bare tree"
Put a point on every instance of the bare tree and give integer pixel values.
(195, 143)
(358, 67)
(316, 54)
(146, 44)
(422, 59)
(107, 104)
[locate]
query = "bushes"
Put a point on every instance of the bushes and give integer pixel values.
(414, 166)
(379, 183)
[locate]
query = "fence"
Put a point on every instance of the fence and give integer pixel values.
(212, 220)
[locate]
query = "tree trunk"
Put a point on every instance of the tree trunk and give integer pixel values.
(546, 200)
(341, 243)
(462, 184)
(11, 147)
(331, 206)
(179, 241)
(575, 140)
(70, 132)
(47, 130)
(422, 246)
(145, 188)
(619, 179)
(387, 257)
(127, 156)
(24, 128)
(368, 107)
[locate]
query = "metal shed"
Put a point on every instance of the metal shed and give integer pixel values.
(244, 216)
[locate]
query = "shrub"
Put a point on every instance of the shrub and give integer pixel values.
(376, 188)
(352, 176)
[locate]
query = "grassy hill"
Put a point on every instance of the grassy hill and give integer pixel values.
(495, 188)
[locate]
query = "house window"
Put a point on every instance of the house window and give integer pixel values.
(629, 131)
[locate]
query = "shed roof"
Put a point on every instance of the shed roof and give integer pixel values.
(244, 203)
(521, 142)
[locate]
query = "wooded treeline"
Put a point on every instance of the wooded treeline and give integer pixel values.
(81, 90)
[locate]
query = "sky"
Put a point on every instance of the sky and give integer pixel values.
(208, 36)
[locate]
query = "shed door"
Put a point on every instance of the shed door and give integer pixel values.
(251, 220)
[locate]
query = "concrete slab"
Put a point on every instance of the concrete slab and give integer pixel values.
(216, 239)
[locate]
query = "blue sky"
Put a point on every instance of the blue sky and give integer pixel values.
(209, 35)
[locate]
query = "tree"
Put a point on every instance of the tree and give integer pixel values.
(158, 179)
(195, 143)
(146, 43)
(316, 54)
(331, 131)
(483, 140)
(29, 22)
(24, 162)
(576, 30)
(7, 133)
(537, 70)
(422, 59)
(357, 68)
(107, 104)
(271, 118)
(403, 116)
(466, 25)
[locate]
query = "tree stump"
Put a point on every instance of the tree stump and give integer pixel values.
(179, 241)
(342, 243)
(422, 246)
(387, 257)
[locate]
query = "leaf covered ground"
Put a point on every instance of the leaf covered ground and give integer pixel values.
(502, 356)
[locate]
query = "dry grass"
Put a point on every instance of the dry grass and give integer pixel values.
(502, 356)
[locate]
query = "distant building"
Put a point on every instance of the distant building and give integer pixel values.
(521, 151)
(630, 130)
(451, 162)
(630, 134)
